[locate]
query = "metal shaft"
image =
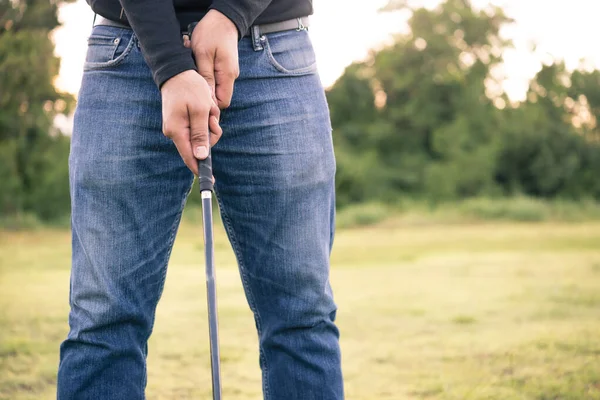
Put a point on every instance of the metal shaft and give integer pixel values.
(211, 292)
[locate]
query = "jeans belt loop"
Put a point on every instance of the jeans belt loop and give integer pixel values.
(256, 39)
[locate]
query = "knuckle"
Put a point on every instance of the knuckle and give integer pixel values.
(229, 73)
(200, 110)
(207, 73)
(199, 136)
(200, 50)
(167, 131)
(205, 51)
(204, 109)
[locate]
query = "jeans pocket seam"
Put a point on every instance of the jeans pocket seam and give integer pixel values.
(275, 64)
(89, 66)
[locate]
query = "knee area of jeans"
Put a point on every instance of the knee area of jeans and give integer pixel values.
(292, 288)
(105, 331)
(296, 324)
(100, 315)
(290, 312)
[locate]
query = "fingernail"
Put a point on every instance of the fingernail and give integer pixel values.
(201, 152)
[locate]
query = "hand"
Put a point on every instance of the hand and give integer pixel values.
(214, 44)
(189, 112)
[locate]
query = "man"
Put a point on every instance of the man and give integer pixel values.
(274, 169)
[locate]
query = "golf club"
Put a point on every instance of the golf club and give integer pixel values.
(206, 189)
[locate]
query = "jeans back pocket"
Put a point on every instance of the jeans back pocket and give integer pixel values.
(108, 46)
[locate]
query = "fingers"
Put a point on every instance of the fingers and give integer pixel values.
(205, 62)
(186, 141)
(215, 130)
(184, 147)
(199, 133)
(189, 113)
(177, 129)
(189, 131)
(213, 124)
(227, 70)
(186, 41)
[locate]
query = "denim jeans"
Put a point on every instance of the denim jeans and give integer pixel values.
(274, 169)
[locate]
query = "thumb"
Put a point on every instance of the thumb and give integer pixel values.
(199, 133)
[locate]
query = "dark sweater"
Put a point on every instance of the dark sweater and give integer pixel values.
(158, 24)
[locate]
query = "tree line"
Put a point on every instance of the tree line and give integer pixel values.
(424, 118)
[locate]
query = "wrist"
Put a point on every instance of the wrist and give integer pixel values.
(167, 84)
(227, 24)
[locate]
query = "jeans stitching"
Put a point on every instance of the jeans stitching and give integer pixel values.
(299, 71)
(244, 276)
(164, 269)
(89, 66)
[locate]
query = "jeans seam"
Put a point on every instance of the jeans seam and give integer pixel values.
(91, 66)
(309, 69)
(244, 276)
(171, 241)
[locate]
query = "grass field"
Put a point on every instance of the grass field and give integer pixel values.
(427, 311)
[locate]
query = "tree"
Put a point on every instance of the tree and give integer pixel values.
(427, 117)
(32, 149)
(550, 145)
(433, 128)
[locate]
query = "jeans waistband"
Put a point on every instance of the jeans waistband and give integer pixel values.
(299, 24)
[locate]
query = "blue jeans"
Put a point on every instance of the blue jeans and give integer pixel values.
(274, 169)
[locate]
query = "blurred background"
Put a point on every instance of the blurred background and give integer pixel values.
(467, 257)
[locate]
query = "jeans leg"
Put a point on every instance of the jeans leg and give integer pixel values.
(274, 170)
(128, 187)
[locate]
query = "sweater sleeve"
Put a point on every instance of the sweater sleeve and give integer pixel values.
(242, 13)
(157, 29)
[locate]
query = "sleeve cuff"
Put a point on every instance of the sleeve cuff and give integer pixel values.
(175, 66)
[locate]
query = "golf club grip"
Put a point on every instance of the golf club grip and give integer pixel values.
(205, 173)
(204, 166)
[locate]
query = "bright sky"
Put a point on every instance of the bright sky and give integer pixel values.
(344, 30)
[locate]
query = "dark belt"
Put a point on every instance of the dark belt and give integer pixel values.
(287, 25)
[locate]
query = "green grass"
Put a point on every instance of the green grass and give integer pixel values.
(496, 310)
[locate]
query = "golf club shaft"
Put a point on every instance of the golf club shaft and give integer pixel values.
(211, 291)
(205, 180)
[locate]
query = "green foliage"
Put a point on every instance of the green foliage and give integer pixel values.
(515, 209)
(426, 118)
(471, 210)
(48, 195)
(33, 154)
(20, 222)
(10, 186)
(362, 215)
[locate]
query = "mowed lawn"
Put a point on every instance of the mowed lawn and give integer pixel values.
(474, 311)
